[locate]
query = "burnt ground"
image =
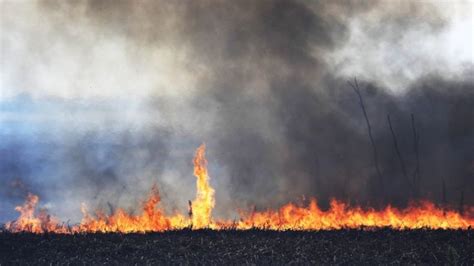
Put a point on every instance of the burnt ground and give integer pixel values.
(242, 247)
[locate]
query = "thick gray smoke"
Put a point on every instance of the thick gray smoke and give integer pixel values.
(124, 91)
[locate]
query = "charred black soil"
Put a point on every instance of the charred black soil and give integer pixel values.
(242, 247)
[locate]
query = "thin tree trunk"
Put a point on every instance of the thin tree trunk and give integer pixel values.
(355, 86)
(399, 155)
(416, 140)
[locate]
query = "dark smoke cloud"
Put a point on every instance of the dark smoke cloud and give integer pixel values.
(279, 120)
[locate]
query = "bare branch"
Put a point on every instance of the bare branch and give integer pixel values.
(416, 140)
(399, 155)
(355, 87)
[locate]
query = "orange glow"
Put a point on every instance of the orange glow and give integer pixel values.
(153, 218)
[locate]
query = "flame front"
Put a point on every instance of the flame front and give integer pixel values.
(423, 214)
(153, 218)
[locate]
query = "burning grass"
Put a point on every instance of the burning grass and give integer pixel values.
(291, 216)
(420, 233)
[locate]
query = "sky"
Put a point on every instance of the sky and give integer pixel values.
(101, 99)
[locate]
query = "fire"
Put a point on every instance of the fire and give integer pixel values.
(202, 206)
(340, 216)
(291, 216)
(152, 219)
(30, 222)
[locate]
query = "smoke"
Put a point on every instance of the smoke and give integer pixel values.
(101, 99)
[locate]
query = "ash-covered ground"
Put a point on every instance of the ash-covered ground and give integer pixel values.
(242, 247)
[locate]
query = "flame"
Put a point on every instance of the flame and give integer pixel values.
(152, 219)
(423, 214)
(30, 222)
(201, 207)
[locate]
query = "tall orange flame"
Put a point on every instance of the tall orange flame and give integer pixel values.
(204, 203)
(422, 214)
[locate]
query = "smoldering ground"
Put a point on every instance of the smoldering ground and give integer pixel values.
(261, 83)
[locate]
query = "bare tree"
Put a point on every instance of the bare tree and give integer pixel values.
(416, 141)
(355, 86)
(397, 150)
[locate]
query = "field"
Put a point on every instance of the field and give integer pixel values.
(242, 247)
